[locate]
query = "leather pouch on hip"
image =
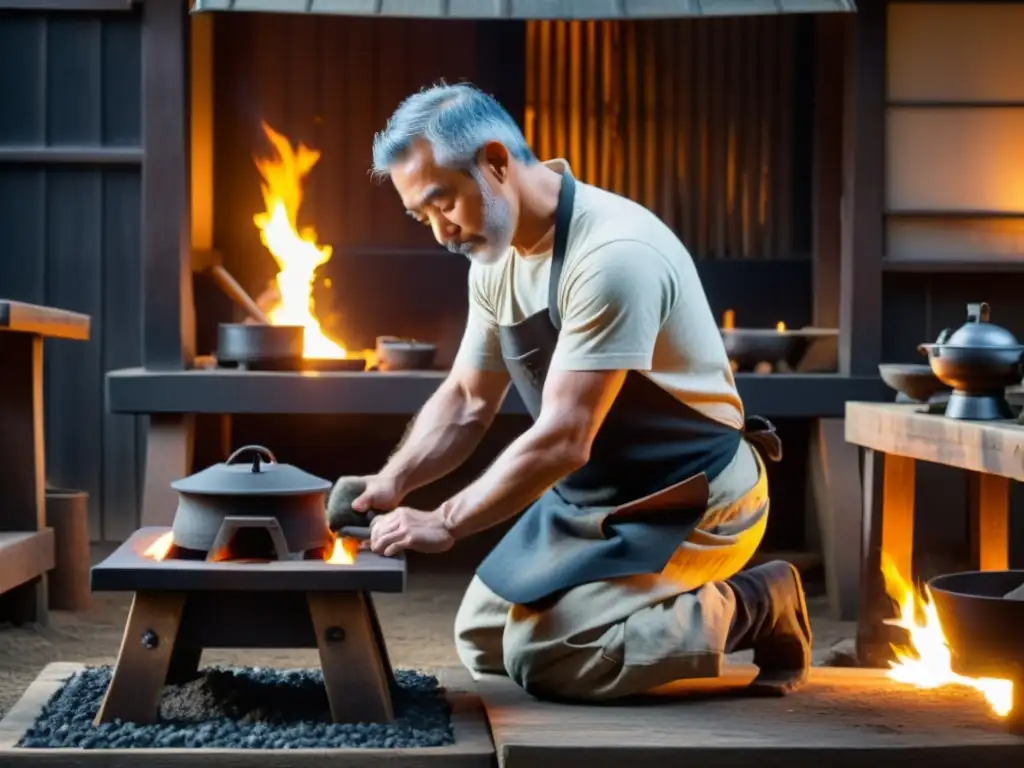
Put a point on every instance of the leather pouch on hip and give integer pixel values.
(665, 506)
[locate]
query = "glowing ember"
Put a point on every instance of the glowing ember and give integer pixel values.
(780, 326)
(344, 552)
(159, 549)
(297, 253)
(927, 662)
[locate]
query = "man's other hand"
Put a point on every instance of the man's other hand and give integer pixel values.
(406, 528)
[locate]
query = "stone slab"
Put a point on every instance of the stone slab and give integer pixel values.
(472, 748)
(128, 570)
(843, 717)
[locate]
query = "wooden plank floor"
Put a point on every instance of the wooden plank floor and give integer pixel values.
(844, 717)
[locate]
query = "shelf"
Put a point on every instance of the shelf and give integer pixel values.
(140, 391)
(25, 555)
(954, 266)
(53, 323)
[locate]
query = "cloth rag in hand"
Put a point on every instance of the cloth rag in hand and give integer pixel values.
(339, 505)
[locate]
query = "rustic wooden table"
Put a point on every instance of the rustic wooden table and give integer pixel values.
(26, 543)
(896, 437)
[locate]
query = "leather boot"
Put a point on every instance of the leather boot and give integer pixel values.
(771, 618)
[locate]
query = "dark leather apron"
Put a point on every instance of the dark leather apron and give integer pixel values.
(645, 487)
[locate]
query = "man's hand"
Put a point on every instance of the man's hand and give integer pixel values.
(408, 528)
(382, 494)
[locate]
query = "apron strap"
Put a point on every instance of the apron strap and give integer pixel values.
(563, 219)
(761, 433)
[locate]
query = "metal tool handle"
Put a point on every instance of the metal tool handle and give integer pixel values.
(978, 312)
(258, 449)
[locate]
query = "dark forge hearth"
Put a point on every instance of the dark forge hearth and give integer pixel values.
(249, 563)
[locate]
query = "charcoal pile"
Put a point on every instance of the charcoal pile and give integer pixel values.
(246, 708)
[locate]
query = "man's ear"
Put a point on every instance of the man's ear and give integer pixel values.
(494, 158)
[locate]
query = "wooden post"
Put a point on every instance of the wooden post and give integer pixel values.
(67, 513)
(989, 532)
(862, 225)
(888, 528)
(169, 309)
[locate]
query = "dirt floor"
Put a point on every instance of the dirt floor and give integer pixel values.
(417, 625)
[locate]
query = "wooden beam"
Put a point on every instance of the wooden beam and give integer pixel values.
(862, 226)
(169, 313)
(830, 39)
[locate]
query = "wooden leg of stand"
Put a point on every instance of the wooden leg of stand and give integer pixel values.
(144, 658)
(355, 673)
(378, 636)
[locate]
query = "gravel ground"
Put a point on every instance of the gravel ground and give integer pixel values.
(417, 625)
(242, 709)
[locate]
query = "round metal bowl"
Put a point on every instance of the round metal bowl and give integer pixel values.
(749, 346)
(985, 631)
(916, 381)
(395, 354)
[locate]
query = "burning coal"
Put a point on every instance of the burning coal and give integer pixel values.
(926, 662)
(343, 551)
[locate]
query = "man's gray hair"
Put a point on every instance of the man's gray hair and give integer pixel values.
(456, 120)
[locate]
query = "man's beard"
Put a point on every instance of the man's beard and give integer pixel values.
(496, 239)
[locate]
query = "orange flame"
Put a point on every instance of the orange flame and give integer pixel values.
(927, 661)
(297, 253)
(344, 551)
(160, 548)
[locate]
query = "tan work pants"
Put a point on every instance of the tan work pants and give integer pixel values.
(623, 636)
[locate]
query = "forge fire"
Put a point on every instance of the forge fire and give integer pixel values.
(926, 660)
(297, 252)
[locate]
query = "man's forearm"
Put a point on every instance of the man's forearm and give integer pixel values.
(528, 467)
(442, 436)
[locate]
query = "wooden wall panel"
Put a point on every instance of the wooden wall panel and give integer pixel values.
(691, 118)
(70, 136)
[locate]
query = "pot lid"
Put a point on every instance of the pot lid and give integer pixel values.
(260, 475)
(979, 332)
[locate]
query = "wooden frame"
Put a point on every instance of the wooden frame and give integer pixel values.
(472, 747)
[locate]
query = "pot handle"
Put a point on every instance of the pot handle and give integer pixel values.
(258, 449)
(978, 312)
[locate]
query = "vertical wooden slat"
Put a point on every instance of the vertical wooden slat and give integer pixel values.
(560, 124)
(575, 94)
(592, 140)
(634, 125)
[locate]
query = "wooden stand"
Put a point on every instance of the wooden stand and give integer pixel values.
(167, 631)
(26, 544)
(896, 438)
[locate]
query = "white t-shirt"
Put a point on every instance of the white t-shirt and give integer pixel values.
(629, 298)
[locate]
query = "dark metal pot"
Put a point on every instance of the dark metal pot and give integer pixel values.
(259, 493)
(979, 361)
(254, 343)
(984, 629)
(749, 346)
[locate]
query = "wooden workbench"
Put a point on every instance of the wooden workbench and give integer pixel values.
(895, 438)
(26, 543)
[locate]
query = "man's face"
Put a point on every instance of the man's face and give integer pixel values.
(467, 211)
